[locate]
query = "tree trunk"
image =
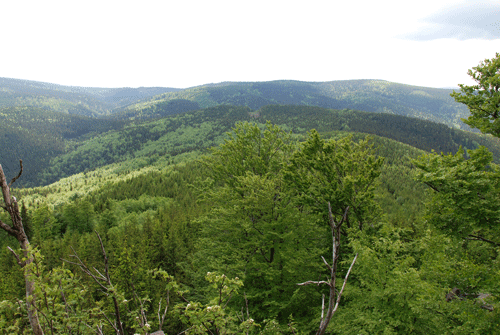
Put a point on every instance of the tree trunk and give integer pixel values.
(334, 296)
(17, 230)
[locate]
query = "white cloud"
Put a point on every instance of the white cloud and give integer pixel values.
(463, 21)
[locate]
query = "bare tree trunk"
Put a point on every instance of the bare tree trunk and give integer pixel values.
(17, 230)
(334, 296)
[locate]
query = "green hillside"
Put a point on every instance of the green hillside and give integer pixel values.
(37, 135)
(162, 140)
(366, 95)
(264, 208)
(154, 102)
(165, 214)
(88, 101)
(57, 145)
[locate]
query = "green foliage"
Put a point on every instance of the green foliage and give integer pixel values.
(483, 99)
(252, 230)
(464, 188)
(55, 145)
(465, 191)
(215, 317)
(254, 209)
(36, 136)
(340, 172)
(62, 305)
(420, 134)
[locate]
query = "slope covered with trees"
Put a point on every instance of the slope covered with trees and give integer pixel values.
(302, 221)
(170, 138)
(152, 217)
(56, 145)
(37, 136)
(241, 240)
(88, 101)
(366, 95)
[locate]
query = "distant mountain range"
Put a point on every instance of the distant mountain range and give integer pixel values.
(378, 96)
(59, 130)
(89, 101)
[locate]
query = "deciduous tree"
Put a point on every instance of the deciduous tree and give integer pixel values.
(483, 99)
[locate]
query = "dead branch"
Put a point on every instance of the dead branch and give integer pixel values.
(17, 230)
(22, 264)
(343, 285)
(162, 320)
(19, 174)
(334, 296)
(309, 282)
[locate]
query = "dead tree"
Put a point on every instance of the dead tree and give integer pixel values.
(334, 297)
(17, 230)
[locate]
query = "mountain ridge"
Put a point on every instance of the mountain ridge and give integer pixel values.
(369, 95)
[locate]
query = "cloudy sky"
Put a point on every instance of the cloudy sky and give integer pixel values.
(184, 43)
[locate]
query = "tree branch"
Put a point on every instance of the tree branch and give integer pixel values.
(107, 289)
(19, 174)
(309, 282)
(22, 264)
(479, 238)
(8, 228)
(345, 281)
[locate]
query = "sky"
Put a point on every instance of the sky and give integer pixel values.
(186, 43)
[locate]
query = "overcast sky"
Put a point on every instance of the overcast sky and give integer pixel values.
(186, 43)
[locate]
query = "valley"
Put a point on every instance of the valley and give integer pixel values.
(214, 199)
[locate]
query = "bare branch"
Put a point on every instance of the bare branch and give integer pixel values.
(8, 228)
(182, 332)
(107, 289)
(162, 319)
(100, 274)
(334, 297)
(19, 174)
(17, 230)
(345, 281)
(322, 308)
(326, 263)
(22, 264)
(95, 331)
(309, 282)
(87, 271)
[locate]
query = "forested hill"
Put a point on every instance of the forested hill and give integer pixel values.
(89, 101)
(60, 145)
(367, 95)
(152, 102)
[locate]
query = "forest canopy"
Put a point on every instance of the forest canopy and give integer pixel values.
(298, 220)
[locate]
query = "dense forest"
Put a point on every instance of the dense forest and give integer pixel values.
(152, 102)
(367, 95)
(235, 218)
(56, 145)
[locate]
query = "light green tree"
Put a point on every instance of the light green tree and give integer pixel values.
(253, 230)
(336, 179)
(342, 173)
(483, 99)
(465, 188)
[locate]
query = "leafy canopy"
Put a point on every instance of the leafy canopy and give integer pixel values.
(342, 173)
(465, 191)
(483, 99)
